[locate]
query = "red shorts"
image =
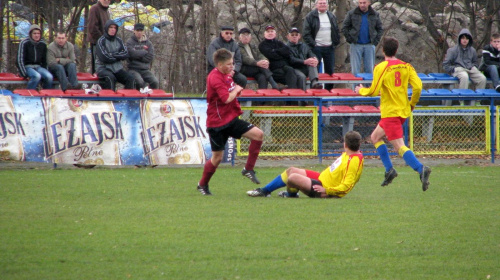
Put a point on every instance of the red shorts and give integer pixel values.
(312, 174)
(393, 127)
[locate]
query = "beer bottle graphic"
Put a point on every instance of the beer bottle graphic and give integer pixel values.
(11, 131)
(83, 132)
(171, 132)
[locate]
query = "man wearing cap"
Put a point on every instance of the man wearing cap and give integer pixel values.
(362, 30)
(32, 59)
(279, 59)
(254, 63)
(226, 41)
(303, 59)
(110, 52)
(321, 34)
(141, 53)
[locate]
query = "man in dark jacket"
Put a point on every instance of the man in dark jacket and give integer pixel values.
(321, 34)
(110, 52)
(32, 59)
(97, 18)
(141, 54)
(226, 41)
(362, 30)
(303, 59)
(278, 55)
(254, 63)
(490, 64)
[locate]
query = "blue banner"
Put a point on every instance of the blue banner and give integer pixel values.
(103, 132)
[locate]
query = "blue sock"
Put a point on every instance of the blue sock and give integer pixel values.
(412, 161)
(274, 184)
(383, 153)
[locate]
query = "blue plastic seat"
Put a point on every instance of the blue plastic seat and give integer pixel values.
(423, 92)
(488, 92)
(425, 77)
(365, 76)
(441, 92)
(466, 92)
(442, 76)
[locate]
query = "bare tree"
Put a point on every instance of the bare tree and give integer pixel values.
(342, 50)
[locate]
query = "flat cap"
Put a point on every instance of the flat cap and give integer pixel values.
(138, 26)
(244, 30)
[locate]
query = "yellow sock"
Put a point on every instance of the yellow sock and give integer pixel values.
(403, 150)
(284, 177)
(378, 144)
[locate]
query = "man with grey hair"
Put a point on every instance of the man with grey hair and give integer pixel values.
(362, 30)
(321, 34)
(225, 40)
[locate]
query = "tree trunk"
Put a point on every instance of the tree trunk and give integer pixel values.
(342, 50)
(2, 5)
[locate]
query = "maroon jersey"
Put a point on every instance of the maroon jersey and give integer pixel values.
(218, 88)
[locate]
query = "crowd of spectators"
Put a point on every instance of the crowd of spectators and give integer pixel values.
(270, 62)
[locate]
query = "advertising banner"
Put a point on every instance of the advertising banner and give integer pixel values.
(98, 132)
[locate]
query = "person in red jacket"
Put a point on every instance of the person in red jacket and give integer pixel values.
(223, 120)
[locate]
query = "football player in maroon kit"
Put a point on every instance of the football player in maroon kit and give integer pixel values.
(223, 121)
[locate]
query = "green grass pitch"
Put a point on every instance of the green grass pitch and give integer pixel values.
(152, 224)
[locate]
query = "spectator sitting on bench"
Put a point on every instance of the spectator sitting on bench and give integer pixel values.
(226, 41)
(62, 61)
(303, 60)
(490, 64)
(461, 62)
(141, 54)
(110, 53)
(279, 59)
(32, 59)
(254, 63)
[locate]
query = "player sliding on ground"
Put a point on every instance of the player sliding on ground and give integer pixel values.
(390, 80)
(222, 120)
(334, 182)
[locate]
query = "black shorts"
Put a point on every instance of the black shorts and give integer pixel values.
(219, 135)
(312, 192)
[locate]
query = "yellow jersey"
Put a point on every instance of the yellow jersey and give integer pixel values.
(390, 80)
(339, 178)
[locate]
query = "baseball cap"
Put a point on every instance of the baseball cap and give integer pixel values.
(269, 27)
(294, 29)
(226, 27)
(138, 26)
(244, 30)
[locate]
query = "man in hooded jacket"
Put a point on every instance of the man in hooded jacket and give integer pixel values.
(461, 62)
(110, 51)
(32, 59)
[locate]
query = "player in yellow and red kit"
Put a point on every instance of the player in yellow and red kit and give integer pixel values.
(390, 80)
(334, 182)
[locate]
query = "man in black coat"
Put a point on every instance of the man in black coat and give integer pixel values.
(278, 55)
